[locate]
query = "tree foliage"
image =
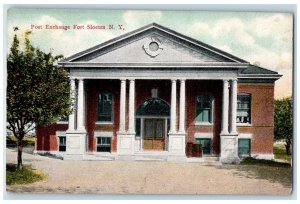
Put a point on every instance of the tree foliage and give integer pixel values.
(284, 121)
(38, 92)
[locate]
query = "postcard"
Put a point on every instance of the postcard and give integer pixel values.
(145, 102)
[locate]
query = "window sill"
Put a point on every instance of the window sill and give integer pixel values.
(203, 123)
(104, 123)
(62, 122)
(243, 125)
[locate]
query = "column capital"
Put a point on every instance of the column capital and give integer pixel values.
(182, 80)
(132, 80)
(123, 79)
(173, 80)
(234, 80)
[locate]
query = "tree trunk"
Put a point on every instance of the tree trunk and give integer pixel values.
(288, 147)
(20, 150)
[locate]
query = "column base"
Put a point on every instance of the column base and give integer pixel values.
(76, 142)
(177, 144)
(229, 149)
(125, 143)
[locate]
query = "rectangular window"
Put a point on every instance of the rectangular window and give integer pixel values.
(103, 144)
(138, 127)
(206, 144)
(243, 108)
(105, 107)
(62, 144)
(244, 146)
(204, 109)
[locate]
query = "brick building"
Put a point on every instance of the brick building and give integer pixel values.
(153, 90)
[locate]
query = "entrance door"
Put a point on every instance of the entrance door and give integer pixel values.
(154, 134)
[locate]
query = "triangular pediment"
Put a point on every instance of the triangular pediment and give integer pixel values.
(152, 44)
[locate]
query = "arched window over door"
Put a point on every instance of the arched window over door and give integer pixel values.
(153, 117)
(154, 107)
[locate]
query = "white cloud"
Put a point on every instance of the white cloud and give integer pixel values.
(134, 19)
(266, 41)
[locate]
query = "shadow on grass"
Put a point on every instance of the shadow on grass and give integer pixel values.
(264, 169)
(24, 176)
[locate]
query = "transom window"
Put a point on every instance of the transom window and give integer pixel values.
(105, 102)
(62, 144)
(103, 144)
(204, 108)
(243, 108)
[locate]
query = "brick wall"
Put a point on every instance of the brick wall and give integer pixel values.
(262, 112)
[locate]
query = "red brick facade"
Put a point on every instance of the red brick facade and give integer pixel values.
(262, 112)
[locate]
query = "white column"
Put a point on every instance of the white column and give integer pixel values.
(182, 107)
(122, 106)
(72, 115)
(233, 106)
(131, 126)
(225, 108)
(80, 112)
(173, 108)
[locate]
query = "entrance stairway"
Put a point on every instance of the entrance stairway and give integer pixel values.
(152, 156)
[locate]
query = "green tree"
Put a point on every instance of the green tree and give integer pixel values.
(284, 121)
(38, 91)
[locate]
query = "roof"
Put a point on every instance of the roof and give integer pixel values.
(254, 73)
(162, 29)
(254, 69)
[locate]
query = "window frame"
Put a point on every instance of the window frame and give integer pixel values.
(250, 110)
(59, 145)
(112, 110)
(212, 101)
(210, 144)
(103, 145)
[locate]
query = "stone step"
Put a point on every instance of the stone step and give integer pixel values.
(98, 158)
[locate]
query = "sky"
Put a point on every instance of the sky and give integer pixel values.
(261, 38)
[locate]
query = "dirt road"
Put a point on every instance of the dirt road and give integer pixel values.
(141, 177)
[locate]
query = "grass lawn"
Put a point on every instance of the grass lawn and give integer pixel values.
(27, 141)
(24, 176)
(267, 169)
(280, 153)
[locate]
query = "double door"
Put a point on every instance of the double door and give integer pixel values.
(154, 134)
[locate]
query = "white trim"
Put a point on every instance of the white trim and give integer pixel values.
(197, 123)
(60, 133)
(103, 134)
(104, 123)
(154, 74)
(62, 122)
(263, 156)
(245, 136)
(243, 124)
(142, 134)
(204, 135)
(152, 116)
